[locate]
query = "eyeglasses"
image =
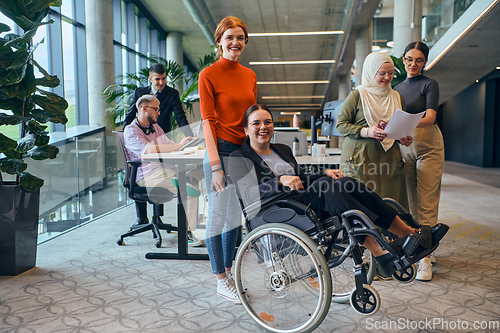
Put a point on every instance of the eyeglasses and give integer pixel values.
(418, 61)
(240, 39)
(384, 73)
(157, 110)
(258, 124)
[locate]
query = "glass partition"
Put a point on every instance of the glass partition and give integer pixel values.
(82, 183)
(441, 14)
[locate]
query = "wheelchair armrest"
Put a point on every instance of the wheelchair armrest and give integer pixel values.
(264, 203)
(298, 207)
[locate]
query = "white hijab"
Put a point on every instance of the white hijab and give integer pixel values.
(378, 103)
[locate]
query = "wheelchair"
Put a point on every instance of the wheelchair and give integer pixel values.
(291, 266)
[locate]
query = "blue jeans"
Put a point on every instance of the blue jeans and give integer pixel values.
(224, 215)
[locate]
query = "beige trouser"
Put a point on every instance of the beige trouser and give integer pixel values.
(424, 164)
(162, 178)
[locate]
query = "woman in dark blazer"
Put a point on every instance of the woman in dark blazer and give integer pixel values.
(260, 170)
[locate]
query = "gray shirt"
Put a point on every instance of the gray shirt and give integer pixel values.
(420, 93)
(277, 164)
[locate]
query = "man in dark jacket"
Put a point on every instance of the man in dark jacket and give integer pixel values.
(169, 102)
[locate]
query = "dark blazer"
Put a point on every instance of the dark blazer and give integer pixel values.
(253, 178)
(169, 102)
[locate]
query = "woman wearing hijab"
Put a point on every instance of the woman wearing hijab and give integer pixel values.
(367, 154)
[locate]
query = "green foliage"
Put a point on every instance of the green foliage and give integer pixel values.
(119, 95)
(400, 71)
(20, 93)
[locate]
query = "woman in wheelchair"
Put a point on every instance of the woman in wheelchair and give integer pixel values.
(260, 170)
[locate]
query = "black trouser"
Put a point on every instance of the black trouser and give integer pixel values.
(329, 197)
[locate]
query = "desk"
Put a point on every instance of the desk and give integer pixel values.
(310, 164)
(181, 161)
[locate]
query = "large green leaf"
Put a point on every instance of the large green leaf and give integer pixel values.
(6, 119)
(4, 28)
(51, 81)
(52, 103)
(6, 143)
(14, 60)
(36, 6)
(26, 143)
(30, 182)
(13, 166)
(10, 8)
(13, 104)
(24, 88)
(35, 128)
(42, 139)
(42, 153)
(43, 116)
(12, 76)
(12, 154)
(15, 41)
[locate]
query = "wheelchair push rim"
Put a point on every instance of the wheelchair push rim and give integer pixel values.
(275, 266)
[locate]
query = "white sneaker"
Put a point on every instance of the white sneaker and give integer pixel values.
(424, 272)
(433, 258)
(230, 276)
(227, 290)
(193, 241)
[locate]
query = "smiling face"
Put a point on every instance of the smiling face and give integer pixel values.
(158, 81)
(151, 111)
(260, 128)
(414, 61)
(384, 75)
(232, 43)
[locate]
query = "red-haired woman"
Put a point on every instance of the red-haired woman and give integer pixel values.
(227, 89)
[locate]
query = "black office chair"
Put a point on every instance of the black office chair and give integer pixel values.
(155, 196)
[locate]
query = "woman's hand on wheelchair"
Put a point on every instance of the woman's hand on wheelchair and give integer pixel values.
(334, 173)
(293, 182)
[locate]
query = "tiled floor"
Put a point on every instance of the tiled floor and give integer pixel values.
(84, 282)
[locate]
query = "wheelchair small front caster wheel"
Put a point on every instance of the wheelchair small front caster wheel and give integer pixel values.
(370, 305)
(158, 244)
(119, 242)
(407, 275)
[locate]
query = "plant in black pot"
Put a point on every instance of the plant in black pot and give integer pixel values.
(25, 101)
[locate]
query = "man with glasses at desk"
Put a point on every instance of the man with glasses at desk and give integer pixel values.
(144, 136)
(169, 102)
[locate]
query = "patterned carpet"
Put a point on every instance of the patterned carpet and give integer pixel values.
(84, 282)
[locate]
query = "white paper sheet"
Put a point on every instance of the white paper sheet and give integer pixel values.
(402, 124)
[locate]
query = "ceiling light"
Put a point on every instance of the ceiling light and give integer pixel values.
(477, 81)
(390, 44)
(292, 82)
(298, 62)
(304, 33)
(375, 48)
(498, 67)
(466, 30)
(284, 113)
(276, 97)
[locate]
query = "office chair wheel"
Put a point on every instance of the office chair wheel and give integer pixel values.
(343, 280)
(370, 305)
(119, 242)
(406, 276)
(275, 266)
(158, 244)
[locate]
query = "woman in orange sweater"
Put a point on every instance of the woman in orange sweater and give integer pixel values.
(227, 90)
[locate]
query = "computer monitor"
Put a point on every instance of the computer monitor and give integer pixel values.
(286, 135)
(330, 114)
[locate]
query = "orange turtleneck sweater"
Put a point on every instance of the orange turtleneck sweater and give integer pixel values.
(227, 89)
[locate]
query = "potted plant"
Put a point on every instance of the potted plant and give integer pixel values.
(399, 71)
(26, 102)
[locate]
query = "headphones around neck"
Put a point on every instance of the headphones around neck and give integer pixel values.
(147, 130)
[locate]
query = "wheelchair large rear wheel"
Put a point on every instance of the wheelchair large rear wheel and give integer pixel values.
(275, 265)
